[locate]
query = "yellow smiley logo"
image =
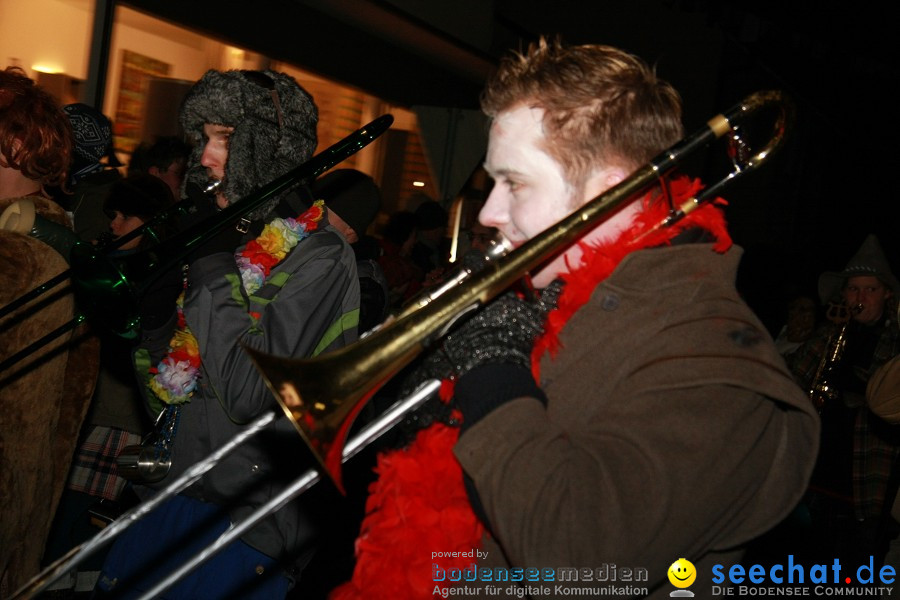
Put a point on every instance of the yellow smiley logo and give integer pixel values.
(682, 573)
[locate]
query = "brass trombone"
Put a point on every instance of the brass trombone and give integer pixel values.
(323, 412)
(322, 395)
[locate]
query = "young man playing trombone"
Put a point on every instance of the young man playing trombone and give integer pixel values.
(281, 281)
(634, 411)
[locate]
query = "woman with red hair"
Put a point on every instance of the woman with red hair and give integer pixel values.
(43, 398)
(35, 137)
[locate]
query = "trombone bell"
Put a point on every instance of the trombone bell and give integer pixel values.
(322, 396)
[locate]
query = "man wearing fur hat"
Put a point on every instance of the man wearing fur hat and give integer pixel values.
(858, 452)
(286, 287)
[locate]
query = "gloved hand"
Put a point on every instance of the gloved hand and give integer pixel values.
(503, 332)
(225, 241)
(157, 304)
(489, 354)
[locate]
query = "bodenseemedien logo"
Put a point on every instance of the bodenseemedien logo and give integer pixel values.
(682, 574)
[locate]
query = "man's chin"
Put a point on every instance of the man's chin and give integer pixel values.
(544, 277)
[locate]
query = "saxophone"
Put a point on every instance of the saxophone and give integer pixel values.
(823, 388)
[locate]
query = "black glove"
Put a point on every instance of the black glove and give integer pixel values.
(498, 338)
(502, 332)
(225, 241)
(157, 303)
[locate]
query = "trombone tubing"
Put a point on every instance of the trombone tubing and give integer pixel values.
(354, 369)
(77, 554)
(366, 436)
(482, 286)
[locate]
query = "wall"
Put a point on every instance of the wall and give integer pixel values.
(52, 33)
(56, 35)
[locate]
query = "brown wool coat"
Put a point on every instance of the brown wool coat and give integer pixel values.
(673, 430)
(43, 399)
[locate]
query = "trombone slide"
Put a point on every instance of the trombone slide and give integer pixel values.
(322, 395)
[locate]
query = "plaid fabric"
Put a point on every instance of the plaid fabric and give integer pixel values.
(94, 466)
(876, 445)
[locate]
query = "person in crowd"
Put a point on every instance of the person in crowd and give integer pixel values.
(93, 171)
(165, 158)
(430, 251)
(635, 410)
(116, 418)
(480, 237)
(36, 147)
(353, 200)
(404, 276)
(858, 451)
(883, 399)
(281, 281)
(132, 202)
(44, 397)
(801, 321)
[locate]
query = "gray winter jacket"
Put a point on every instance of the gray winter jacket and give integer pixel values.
(309, 305)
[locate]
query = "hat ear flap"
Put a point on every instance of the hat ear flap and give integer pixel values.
(253, 161)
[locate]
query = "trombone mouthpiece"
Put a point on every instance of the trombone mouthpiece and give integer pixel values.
(212, 186)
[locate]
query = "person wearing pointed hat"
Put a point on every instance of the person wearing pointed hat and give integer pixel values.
(282, 281)
(867, 282)
(858, 451)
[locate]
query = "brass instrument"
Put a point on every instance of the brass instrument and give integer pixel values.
(823, 388)
(322, 395)
(110, 290)
(322, 405)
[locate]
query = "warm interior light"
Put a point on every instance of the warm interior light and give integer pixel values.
(46, 69)
(418, 184)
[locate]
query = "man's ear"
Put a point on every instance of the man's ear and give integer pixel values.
(601, 179)
(613, 176)
(155, 171)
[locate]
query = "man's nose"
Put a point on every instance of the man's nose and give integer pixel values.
(493, 214)
(206, 158)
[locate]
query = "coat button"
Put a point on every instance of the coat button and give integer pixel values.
(254, 469)
(610, 302)
(260, 569)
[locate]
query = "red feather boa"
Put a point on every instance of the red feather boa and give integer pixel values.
(418, 504)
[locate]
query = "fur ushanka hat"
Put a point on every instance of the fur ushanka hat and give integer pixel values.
(274, 122)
